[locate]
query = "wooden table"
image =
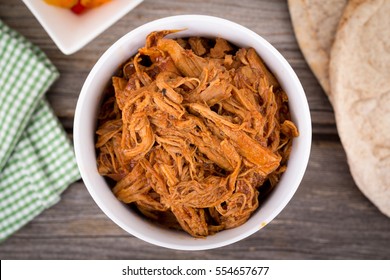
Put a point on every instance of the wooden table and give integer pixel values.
(328, 218)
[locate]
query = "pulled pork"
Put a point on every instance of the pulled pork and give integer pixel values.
(194, 132)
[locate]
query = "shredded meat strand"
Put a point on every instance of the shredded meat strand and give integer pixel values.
(194, 132)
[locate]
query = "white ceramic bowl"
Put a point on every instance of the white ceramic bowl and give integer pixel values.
(71, 32)
(85, 125)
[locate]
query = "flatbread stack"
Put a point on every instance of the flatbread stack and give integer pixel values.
(347, 45)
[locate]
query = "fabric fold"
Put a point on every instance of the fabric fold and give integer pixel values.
(37, 161)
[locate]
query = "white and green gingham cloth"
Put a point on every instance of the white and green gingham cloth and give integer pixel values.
(37, 161)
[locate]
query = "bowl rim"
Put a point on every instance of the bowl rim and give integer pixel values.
(306, 140)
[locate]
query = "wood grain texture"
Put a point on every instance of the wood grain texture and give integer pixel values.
(328, 218)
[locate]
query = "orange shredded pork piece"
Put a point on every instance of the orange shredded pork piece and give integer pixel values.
(194, 132)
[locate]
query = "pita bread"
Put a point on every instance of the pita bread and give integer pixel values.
(315, 24)
(360, 85)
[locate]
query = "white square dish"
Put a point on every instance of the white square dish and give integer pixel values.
(71, 32)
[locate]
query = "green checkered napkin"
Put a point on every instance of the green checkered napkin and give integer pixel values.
(36, 159)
